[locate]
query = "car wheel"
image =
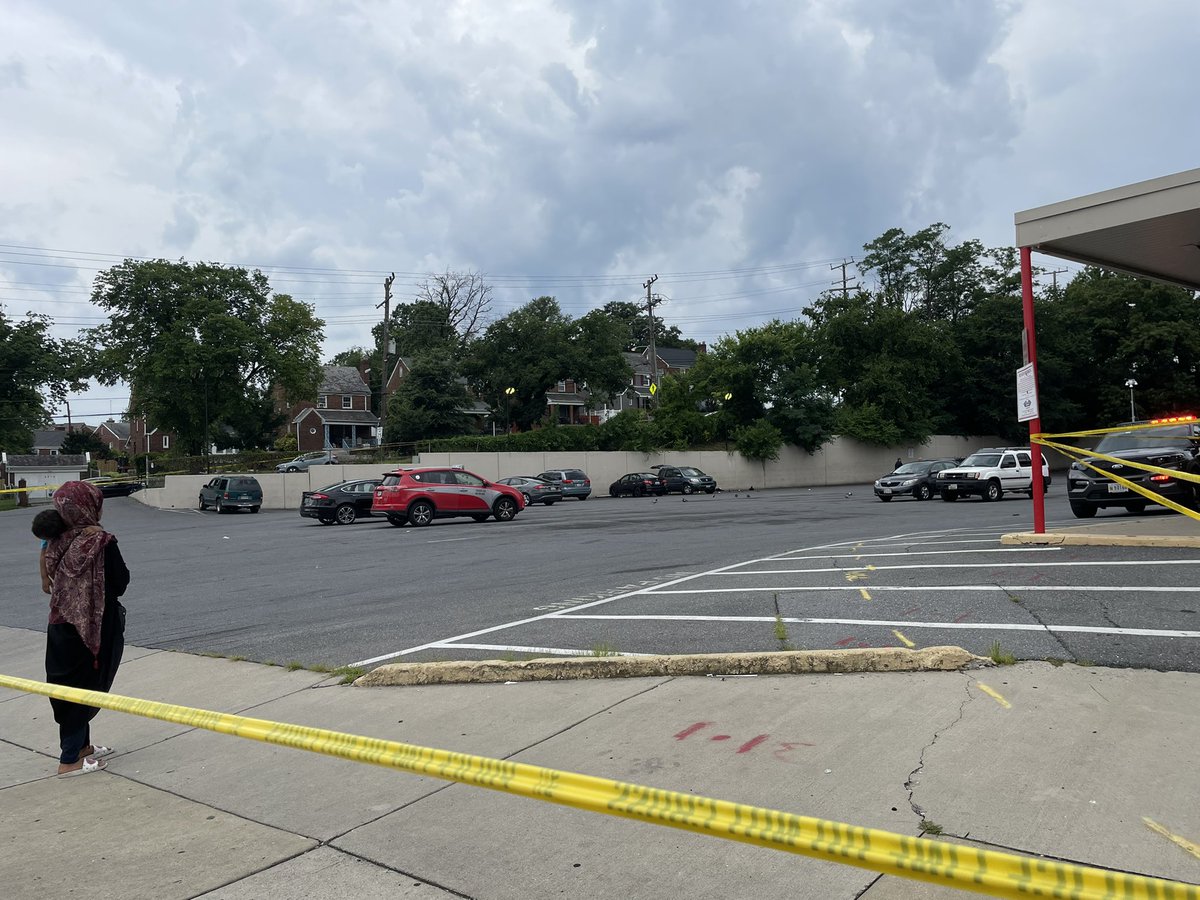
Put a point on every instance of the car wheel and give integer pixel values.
(688, 489)
(923, 492)
(992, 492)
(584, 497)
(421, 513)
(948, 497)
(1137, 507)
(639, 491)
(203, 505)
(254, 509)
(397, 521)
(345, 514)
(885, 498)
(505, 509)
(711, 491)
(612, 492)
(291, 469)
(528, 499)
(220, 508)
(481, 517)
(1082, 510)
(549, 502)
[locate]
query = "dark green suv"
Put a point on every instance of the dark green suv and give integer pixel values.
(232, 492)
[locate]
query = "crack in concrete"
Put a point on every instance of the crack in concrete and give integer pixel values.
(1037, 618)
(911, 784)
(1104, 612)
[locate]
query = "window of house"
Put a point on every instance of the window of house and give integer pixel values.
(322, 401)
(347, 401)
(166, 442)
(561, 387)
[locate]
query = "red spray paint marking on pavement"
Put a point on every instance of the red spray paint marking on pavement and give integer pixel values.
(691, 729)
(752, 743)
(844, 641)
(909, 612)
(719, 737)
(963, 617)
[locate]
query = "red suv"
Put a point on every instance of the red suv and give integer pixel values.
(418, 496)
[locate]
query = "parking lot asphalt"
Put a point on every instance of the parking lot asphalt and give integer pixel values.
(777, 569)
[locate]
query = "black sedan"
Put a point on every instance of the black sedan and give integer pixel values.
(340, 503)
(536, 490)
(914, 479)
(637, 484)
(116, 487)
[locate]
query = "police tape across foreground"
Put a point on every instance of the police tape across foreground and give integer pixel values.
(965, 868)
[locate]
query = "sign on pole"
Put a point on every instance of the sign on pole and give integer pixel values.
(1027, 398)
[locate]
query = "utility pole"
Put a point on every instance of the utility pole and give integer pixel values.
(1054, 273)
(383, 367)
(844, 280)
(650, 303)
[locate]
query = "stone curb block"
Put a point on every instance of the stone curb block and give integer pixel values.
(1056, 539)
(791, 662)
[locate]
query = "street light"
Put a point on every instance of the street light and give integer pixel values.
(508, 393)
(1131, 383)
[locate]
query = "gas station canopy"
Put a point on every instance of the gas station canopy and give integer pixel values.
(1150, 229)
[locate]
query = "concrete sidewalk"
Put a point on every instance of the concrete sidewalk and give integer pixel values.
(1068, 762)
(1157, 528)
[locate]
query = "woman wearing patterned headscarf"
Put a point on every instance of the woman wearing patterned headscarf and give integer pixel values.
(86, 634)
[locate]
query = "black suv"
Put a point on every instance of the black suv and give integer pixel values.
(1173, 444)
(915, 479)
(685, 479)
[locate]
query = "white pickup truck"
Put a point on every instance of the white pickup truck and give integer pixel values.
(991, 473)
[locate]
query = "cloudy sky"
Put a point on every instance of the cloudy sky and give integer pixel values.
(572, 148)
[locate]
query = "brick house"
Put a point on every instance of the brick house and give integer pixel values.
(637, 395)
(134, 437)
(341, 417)
(49, 442)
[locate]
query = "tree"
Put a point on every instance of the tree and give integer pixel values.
(635, 327)
(36, 371)
(80, 442)
(204, 348)
(536, 346)
(429, 402)
(463, 298)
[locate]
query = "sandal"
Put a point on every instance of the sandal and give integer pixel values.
(90, 764)
(97, 752)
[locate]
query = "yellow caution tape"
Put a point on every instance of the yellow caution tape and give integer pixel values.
(966, 868)
(1082, 456)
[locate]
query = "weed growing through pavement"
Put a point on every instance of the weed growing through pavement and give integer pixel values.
(781, 634)
(928, 827)
(349, 674)
(294, 664)
(604, 650)
(1000, 656)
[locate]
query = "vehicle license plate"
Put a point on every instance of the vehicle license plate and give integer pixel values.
(885, 490)
(244, 497)
(952, 487)
(1115, 488)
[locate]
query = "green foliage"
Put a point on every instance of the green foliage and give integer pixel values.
(429, 403)
(866, 423)
(286, 443)
(634, 327)
(760, 440)
(36, 372)
(80, 442)
(204, 347)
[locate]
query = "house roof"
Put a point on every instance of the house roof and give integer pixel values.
(637, 362)
(118, 429)
(339, 416)
(476, 408)
(677, 357)
(342, 380)
(557, 399)
(71, 462)
(50, 440)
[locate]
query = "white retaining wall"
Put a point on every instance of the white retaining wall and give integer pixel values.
(842, 461)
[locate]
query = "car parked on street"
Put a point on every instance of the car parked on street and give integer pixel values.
(685, 479)
(916, 479)
(637, 484)
(115, 487)
(340, 503)
(535, 490)
(574, 482)
(417, 496)
(1173, 444)
(305, 461)
(228, 493)
(991, 473)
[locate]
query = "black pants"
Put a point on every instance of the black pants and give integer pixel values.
(69, 662)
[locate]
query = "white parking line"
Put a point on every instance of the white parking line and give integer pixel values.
(546, 651)
(1013, 588)
(884, 623)
(982, 565)
(866, 552)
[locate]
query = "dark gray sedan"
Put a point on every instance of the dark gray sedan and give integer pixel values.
(536, 490)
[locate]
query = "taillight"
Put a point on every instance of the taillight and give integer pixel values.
(567, 481)
(319, 496)
(1160, 477)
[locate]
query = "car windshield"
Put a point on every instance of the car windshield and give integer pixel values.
(917, 468)
(690, 472)
(982, 460)
(1176, 436)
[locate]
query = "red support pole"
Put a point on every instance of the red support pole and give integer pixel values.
(1035, 425)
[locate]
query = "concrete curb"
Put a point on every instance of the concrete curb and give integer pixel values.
(791, 662)
(1099, 540)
